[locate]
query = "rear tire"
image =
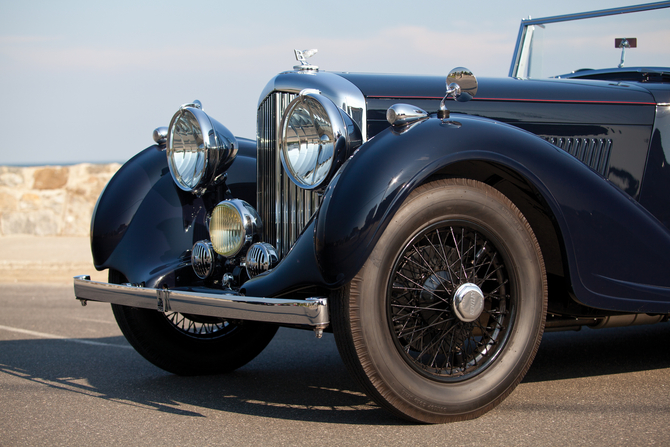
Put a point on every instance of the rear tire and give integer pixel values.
(445, 317)
(189, 344)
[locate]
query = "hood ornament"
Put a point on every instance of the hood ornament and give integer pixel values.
(301, 56)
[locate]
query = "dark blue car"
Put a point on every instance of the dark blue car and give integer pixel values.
(437, 229)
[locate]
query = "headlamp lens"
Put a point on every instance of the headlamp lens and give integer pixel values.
(226, 229)
(308, 143)
(186, 151)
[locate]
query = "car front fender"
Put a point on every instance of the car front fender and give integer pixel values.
(367, 191)
(144, 226)
(597, 221)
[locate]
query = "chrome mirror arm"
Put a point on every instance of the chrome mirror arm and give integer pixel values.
(461, 85)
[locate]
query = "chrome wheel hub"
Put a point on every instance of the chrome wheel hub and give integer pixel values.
(468, 302)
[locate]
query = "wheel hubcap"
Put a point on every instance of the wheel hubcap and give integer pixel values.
(468, 302)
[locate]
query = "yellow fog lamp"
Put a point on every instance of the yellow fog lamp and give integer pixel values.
(233, 225)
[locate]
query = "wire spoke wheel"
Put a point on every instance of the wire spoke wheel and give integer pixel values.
(445, 317)
(197, 326)
(432, 334)
(188, 344)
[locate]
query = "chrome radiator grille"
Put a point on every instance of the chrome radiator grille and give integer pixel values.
(284, 208)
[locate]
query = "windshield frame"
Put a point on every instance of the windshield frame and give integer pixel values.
(520, 66)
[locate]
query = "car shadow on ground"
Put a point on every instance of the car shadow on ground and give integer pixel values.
(296, 377)
(597, 352)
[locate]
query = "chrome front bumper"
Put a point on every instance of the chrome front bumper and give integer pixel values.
(312, 312)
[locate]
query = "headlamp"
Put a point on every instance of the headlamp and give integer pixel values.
(199, 148)
(316, 136)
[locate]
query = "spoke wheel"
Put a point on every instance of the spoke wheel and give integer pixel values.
(197, 326)
(437, 333)
(445, 317)
(187, 344)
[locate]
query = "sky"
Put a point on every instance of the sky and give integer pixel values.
(89, 81)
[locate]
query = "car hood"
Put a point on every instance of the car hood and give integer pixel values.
(400, 87)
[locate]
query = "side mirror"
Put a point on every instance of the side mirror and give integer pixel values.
(461, 85)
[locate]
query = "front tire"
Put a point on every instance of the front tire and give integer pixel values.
(189, 344)
(445, 317)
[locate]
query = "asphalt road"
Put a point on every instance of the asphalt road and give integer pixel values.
(68, 377)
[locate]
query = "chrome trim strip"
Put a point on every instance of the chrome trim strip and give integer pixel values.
(310, 312)
(597, 13)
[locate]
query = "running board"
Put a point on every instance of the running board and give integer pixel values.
(311, 312)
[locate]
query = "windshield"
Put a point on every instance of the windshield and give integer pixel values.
(566, 44)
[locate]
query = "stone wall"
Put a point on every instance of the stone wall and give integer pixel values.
(51, 200)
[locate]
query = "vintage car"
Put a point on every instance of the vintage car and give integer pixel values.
(436, 239)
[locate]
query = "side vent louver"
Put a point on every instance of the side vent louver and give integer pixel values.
(593, 152)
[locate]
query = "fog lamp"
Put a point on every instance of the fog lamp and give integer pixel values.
(233, 225)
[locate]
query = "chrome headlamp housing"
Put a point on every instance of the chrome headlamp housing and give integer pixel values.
(316, 137)
(234, 224)
(199, 148)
